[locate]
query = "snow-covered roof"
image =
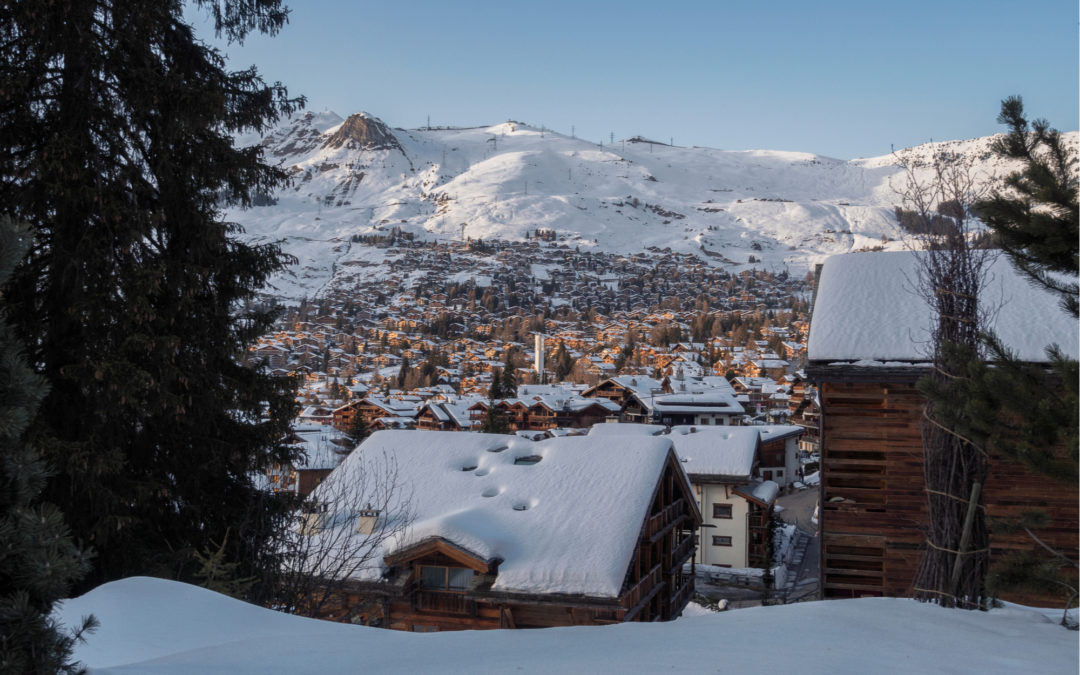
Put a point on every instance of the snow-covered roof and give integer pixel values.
(566, 524)
(772, 432)
(319, 446)
(716, 451)
(697, 402)
(765, 491)
(868, 309)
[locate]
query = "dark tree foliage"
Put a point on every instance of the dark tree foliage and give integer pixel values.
(495, 391)
(509, 377)
(563, 362)
(358, 429)
(1035, 408)
(116, 148)
(38, 560)
(1036, 214)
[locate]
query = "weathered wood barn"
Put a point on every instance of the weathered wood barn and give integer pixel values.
(868, 346)
(505, 532)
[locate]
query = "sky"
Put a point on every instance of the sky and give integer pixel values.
(840, 78)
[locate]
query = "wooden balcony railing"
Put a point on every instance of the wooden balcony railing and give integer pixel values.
(680, 554)
(443, 602)
(643, 587)
(660, 522)
(682, 596)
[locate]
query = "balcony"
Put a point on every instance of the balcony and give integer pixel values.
(680, 554)
(643, 590)
(682, 596)
(660, 523)
(443, 602)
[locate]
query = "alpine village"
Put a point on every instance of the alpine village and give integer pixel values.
(499, 378)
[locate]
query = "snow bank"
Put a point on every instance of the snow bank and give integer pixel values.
(155, 626)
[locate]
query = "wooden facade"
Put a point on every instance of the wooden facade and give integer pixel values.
(417, 595)
(873, 502)
(539, 416)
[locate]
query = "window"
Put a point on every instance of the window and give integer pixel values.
(721, 541)
(444, 578)
(721, 510)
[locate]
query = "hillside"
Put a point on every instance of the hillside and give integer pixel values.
(356, 176)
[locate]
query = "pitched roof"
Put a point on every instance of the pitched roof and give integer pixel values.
(581, 506)
(868, 309)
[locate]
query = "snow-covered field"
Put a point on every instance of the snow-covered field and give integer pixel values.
(359, 177)
(155, 626)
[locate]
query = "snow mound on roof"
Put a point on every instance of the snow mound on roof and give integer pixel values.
(716, 451)
(868, 308)
(152, 625)
(617, 429)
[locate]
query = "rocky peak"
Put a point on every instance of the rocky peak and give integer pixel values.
(359, 131)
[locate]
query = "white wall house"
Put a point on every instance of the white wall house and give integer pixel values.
(735, 506)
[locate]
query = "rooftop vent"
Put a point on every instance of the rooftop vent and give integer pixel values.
(368, 520)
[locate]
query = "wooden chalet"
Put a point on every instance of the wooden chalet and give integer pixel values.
(511, 533)
(370, 409)
(541, 413)
(865, 354)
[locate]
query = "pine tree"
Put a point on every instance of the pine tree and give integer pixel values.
(509, 379)
(1031, 412)
(38, 560)
(495, 391)
(358, 429)
(1036, 216)
(116, 147)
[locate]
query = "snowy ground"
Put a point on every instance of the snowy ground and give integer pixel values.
(154, 626)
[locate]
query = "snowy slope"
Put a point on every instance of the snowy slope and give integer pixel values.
(156, 626)
(357, 177)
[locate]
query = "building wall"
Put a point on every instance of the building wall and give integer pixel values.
(735, 555)
(873, 499)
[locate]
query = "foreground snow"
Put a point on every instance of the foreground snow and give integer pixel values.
(156, 626)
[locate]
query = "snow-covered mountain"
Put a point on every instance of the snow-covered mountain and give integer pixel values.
(357, 176)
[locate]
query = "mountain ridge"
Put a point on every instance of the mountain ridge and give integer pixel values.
(358, 176)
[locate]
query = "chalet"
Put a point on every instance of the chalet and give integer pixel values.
(780, 453)
(322, 450)
(371, 409)
(541, 412)
(867, 348)
(510, 533)
(722, 464)
(449, 415)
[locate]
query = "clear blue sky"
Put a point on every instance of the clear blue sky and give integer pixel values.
(843, 79)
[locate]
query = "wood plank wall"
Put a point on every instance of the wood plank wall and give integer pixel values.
(873, 501)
